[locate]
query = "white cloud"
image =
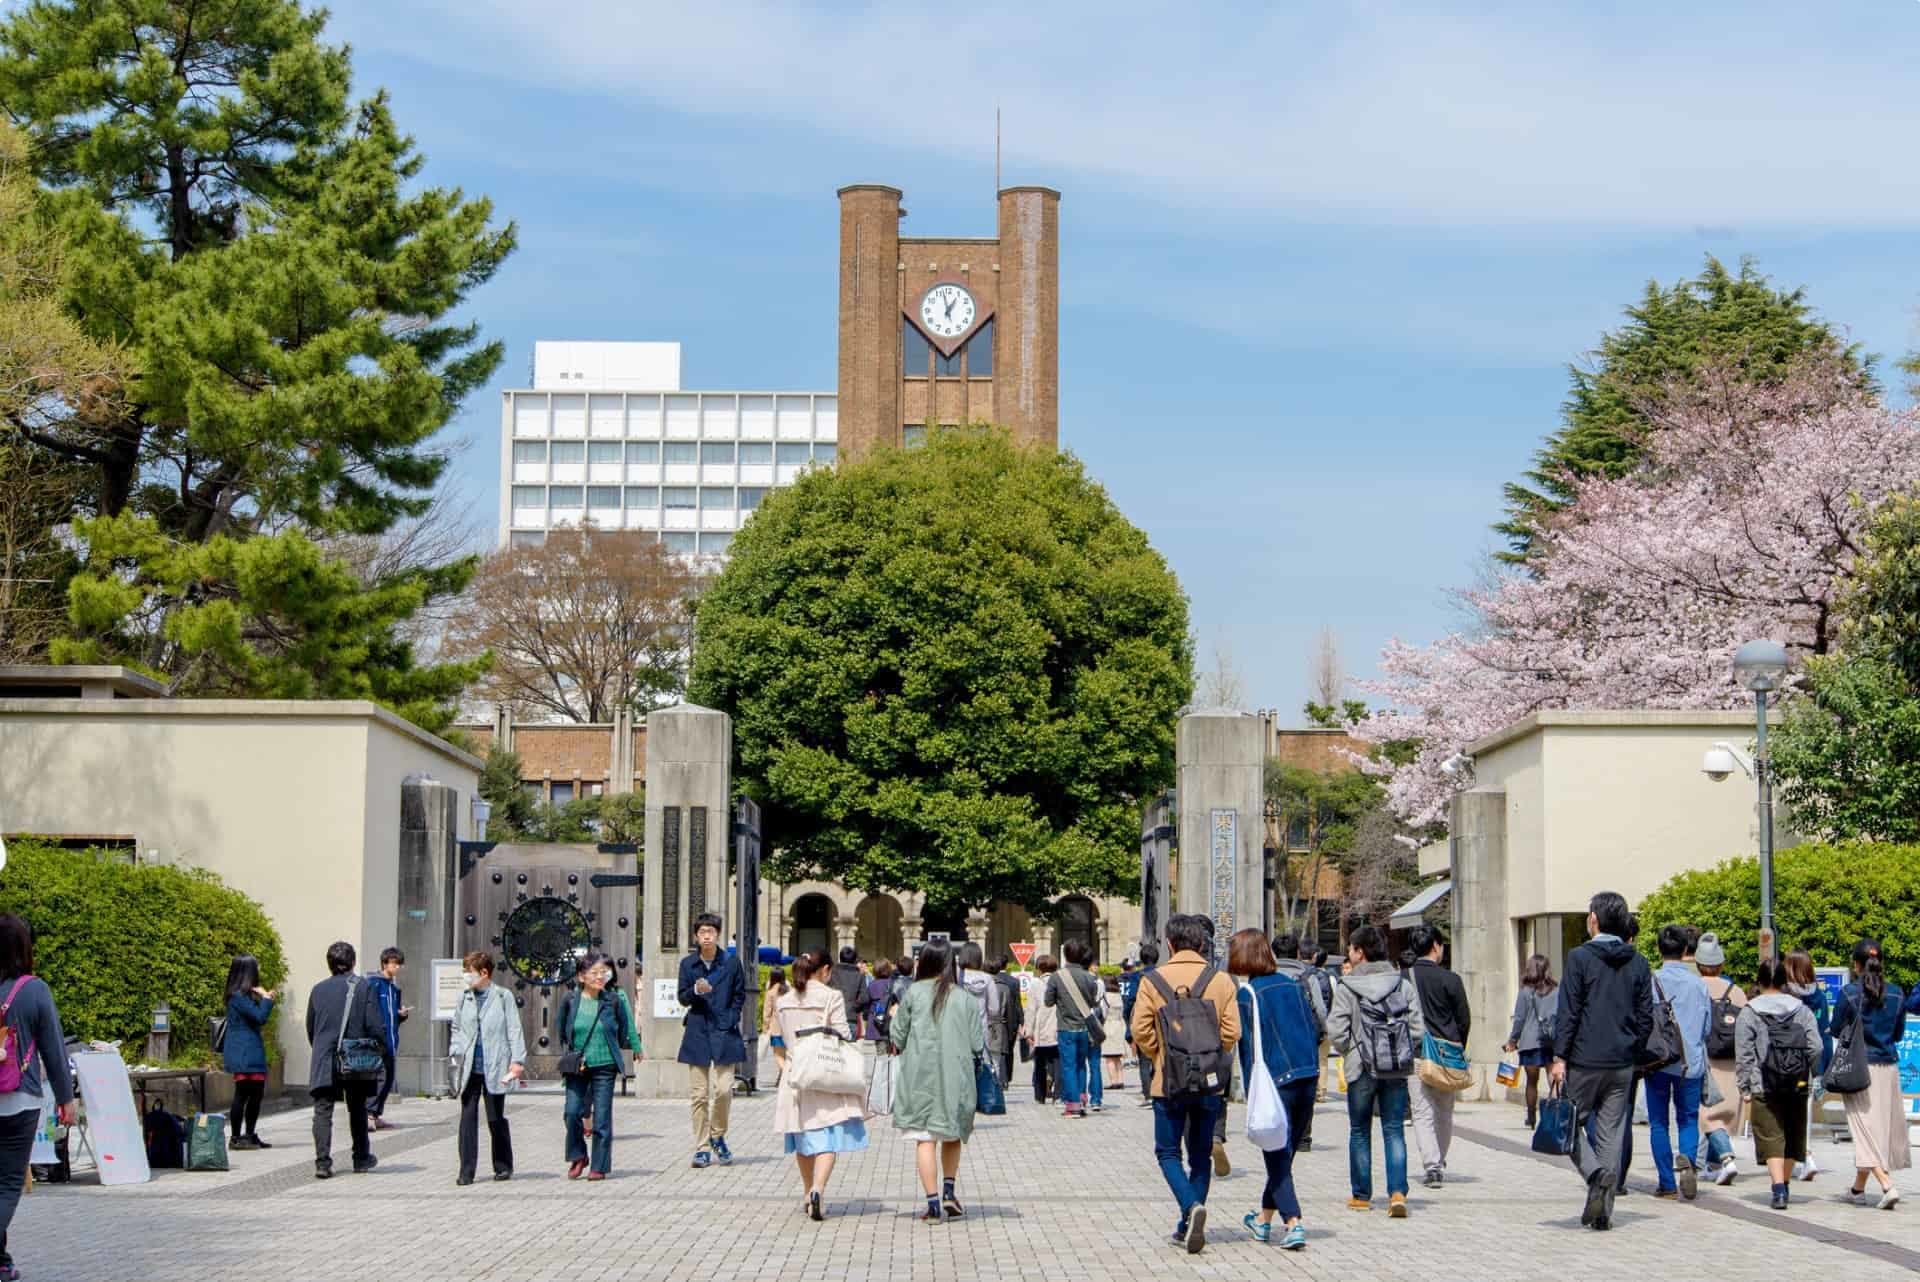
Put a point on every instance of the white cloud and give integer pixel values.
(1709, 115)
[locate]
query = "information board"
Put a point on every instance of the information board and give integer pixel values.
(113, 1124)
(447, 980)
(666, 999)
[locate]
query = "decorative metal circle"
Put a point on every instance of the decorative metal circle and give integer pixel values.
(496, 879)
(470, 919)
(623, 923)
(545, 939)
(521, 878)
(573, 879)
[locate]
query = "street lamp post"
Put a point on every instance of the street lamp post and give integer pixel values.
(1761, 666)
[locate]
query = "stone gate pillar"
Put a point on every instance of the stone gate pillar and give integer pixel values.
(423, 924)
(1221, 763)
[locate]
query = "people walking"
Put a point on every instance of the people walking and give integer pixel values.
(33, 1021)
(850, 981)
(1074, 993)
(937, 1032)
(1113, 1041)
(385, 983)
(339, 1008)
(880, 1003)
(1295, 961)
(244, 1052)
(1447, 1015)
(1673, 1092)
(1531, 1036)
(713, 989)
(818, 1125)
(1777, 1049)
(595, 1023)
(1129, 995)
(1042, 1035)
(1003, 1018)
(776, 985)
(974, 978)
(489, 1053)
(1376, 1027)
(1600, 1033)
(1876, 1117)
(1803, 983)
(1191, 1050)
(1279, 1007)
(1720, 1106)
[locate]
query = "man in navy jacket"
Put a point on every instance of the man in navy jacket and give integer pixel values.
(713, 988)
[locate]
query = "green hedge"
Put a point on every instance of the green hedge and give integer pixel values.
(1824, 899)
(112, 940)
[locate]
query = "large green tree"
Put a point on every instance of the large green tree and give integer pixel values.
(1719, 317)
(264, 249)
(952, 669)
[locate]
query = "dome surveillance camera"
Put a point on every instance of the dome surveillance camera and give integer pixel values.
(1718, 764)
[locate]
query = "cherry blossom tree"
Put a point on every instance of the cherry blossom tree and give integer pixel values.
(1742, 520)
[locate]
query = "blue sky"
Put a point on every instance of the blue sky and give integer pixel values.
(1322, 265)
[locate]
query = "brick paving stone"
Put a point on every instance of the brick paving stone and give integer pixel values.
(1046, 1199)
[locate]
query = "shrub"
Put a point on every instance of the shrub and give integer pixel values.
(113, 940)
(1824, 899)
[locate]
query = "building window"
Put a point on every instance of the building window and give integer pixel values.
(529, 538)
(947, 366)
(529, 451)
(1297, 832)
(980, 351)
(643, 496)
(916, 355)
(646, 453)
(529, 496)
(712, 544)
(755, 452)
(679, 497)
(569, 451)
(795, 454)
(566, 496)
(534, 789)
(603, 452)
(604, 497)
(823, 453)
(679, 542)
(750, 497)
(716, 452)
(913, 435)
(683, 452)
(562, 793)
(714, 500)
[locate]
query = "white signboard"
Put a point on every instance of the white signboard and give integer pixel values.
(113, 1124)
(448, 980)
(666, 999)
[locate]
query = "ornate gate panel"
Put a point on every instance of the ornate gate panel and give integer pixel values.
(746, 915)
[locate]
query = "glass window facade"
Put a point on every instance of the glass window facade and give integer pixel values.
(680, 543)
(678, 497)
(751, 497)
(529, 496)
(913, 435)
(566, 496)
(529, 538)
(795, 454)
(643, 452)
(916, 354)
(712, 544)
(715, 500)
(824, 452)
(604, 452)
(980, 351)
(603, 496)
(948, 366)
(529, 451)
(755, 453)
(643, 496)
(682, 452)
(569, 451)
(716, 452)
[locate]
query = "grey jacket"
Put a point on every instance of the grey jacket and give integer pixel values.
(496, 1022)
(1533, 1019)
(1372, 981)
(326, 1007)
(1750, 1036)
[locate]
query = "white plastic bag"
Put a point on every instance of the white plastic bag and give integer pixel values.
(1266, 1116)
(880, 1089)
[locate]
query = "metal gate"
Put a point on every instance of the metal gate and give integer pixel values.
(746, 876)
(538, 909)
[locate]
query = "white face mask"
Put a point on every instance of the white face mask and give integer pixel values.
(472, 979)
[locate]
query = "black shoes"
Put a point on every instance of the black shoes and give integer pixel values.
(361, 1168)
(501, 1177)
(1598, 1211)
(323, 1170)
(814, 1212)
(463, 1180)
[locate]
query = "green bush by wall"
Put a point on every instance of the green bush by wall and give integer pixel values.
(1824, 899)
(112, 940)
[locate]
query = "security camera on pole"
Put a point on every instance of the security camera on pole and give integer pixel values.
(1759, 666)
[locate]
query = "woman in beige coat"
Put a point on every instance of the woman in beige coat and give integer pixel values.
(819, 1125)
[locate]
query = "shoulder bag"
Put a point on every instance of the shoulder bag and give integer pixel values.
(573, 1061)
(988, 1096)
(1266, 1116)
(819, 1059)
(1664, 1044)
(1442, 1065)
(358, 1059)
(1847, 1073)
(1096, 1031)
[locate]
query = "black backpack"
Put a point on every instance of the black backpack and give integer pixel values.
(1720, 1028)
(1385, 1035)
(166, 1138)
(1787, 1066)
(1193, 1062)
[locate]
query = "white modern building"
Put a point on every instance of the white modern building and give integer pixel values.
(606, 434)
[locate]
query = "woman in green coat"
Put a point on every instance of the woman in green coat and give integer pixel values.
(937, 1032)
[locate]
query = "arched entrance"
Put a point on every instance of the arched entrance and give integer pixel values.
(1007, 924)
(1077, 921)
(877, 932)
(812, 918)
(953, 921)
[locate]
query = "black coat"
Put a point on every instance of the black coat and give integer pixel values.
(711, 1030)
(326, 1005)
(1606, 1006)
(1443, 1001)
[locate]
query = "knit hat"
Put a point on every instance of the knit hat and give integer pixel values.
(1708, 952)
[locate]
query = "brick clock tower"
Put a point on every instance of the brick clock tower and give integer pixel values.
(947, 330)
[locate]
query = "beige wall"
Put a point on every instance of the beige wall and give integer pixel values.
(296, 804)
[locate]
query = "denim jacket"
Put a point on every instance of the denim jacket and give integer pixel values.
(1289, 1033)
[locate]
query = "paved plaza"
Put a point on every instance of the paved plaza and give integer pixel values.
(1046, 1199)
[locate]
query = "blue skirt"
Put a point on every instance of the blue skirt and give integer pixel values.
(1539, 1057)
(778, 1042)
(841, 1137)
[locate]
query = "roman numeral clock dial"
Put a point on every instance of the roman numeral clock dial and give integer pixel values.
(946, 311)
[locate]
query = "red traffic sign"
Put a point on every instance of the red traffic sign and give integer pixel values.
(1022, 953)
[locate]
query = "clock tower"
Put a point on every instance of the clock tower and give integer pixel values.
(946, 330)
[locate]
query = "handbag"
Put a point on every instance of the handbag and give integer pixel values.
(573, 1061)
(356, 1059)
(12, 1062)
(1555, 1131)
(1508, 1074)
(819, 1059)
(989, 1098)
(880, 1089)
(1664, 1044)
(1847, 1073)
(217, 1032)
(1266, 1116)
(1096, 1031)
(1443, 1065)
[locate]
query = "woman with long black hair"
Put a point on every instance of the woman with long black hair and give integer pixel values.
(244, 1053)
(939, 1034)
(32, 1032)
(1876, 1117)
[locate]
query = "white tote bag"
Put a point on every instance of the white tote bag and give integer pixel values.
(1266, 1116)
(820, 1061)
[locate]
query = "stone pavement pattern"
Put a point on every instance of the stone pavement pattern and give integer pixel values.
(1046, 1199)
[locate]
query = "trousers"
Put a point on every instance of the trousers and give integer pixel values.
(16, 1146)
(356, 1095)
(1603, 1101)
(1432, 1122)
(498, 1135)
(710, 1089)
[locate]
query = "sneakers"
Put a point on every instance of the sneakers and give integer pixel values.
(1689, 1180)
(1779, 1200)
(323, 1170)
(720, 1150)
(1432, 1179)
(1296, 1238)
(702, 1160)
(1197, 1229)
(1726, 1172)
(1357, 1203)
(1889, 1199)
(1806, 1170)
(1397, 1206)
(1262, 1232)
(1221, 1167)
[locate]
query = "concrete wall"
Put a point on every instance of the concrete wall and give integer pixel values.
(1221, 764)
(295, 803)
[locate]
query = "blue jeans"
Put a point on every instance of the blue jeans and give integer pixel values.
(1297, 1099)
(1387, 1096)
(1684, 1094)
(1185, 1122)
(1076, 1061)
(593, 1087)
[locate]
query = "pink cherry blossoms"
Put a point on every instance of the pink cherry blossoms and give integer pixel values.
(1741, 521)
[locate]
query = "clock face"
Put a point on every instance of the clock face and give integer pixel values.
(947, 311)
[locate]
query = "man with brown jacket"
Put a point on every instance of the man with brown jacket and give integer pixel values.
(1184, 1121)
